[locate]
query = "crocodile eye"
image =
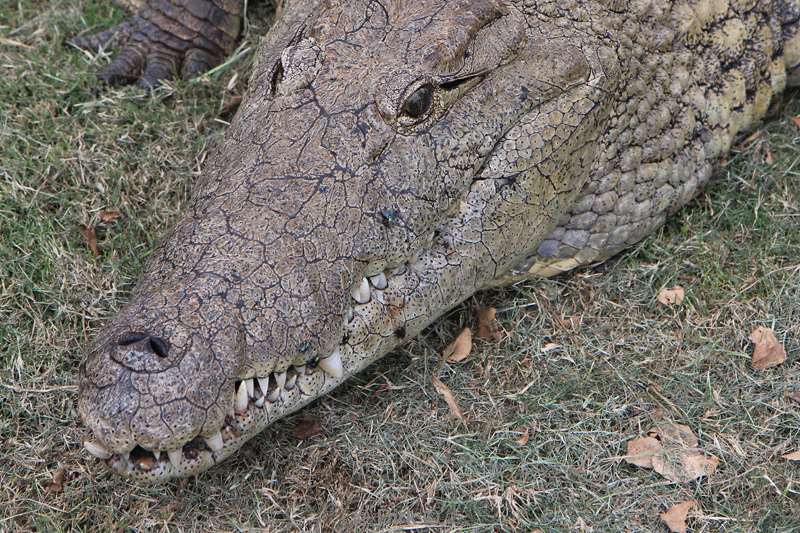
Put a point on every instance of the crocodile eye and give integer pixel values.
(419, 103)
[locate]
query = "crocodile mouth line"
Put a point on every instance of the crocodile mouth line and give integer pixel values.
(257, 401)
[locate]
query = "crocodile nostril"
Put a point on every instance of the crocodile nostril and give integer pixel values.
(130, 338)
(159, 346)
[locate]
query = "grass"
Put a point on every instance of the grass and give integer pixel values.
(390, 455)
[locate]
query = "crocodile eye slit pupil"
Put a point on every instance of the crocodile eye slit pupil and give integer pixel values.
(419, 103)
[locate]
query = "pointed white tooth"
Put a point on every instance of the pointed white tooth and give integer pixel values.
(231, 411)
(175, 456)
(361, 293)
(332, 365)
(263, 384)
(301, 370)
(274, 395)
(215, 442)
(379, 281)
(260, 402)
(280, 379)
(250, 387)
(157, 454)
(98, 450)
(290, 381)
(349, 315)
(240, 406)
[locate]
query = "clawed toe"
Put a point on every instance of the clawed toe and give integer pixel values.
(154, 47)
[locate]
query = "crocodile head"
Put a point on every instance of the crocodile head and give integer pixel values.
(389, 160)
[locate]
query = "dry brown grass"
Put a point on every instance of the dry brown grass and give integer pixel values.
(390, 456)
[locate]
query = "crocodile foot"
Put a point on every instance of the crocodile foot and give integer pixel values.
(167, 38)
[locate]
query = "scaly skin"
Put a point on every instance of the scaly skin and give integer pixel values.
(557, 134)
(167, 37)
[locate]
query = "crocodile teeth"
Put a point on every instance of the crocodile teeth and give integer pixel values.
(290, 381)
(349, 316)
(274, 394)
(98, 450)
(361, 293)
(263, 384)
(175, 456)
(332, 365)
(240, 406)
(260, 402)
(250, 387)
(215, 442)
(379, 281)
(157, 454)
(280, 379)
(301, 370)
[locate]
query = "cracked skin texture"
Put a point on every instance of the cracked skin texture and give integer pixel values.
(451, 146)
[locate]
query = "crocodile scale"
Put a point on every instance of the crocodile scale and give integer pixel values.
(389, 160)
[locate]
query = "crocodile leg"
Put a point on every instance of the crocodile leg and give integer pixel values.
(168, 37)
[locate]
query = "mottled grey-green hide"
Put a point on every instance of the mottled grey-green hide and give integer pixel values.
(389, 160)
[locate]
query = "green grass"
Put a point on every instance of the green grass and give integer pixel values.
(390, 453)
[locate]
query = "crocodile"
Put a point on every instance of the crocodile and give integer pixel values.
(388, 160)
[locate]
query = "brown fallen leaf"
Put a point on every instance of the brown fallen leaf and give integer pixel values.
(679, 435)
(796, 121)
(675, 516)
(90, 237)
(642, 450)
(523, 440)
(794, 456)
(672, 451)
(768, 352)
(57, 484)
(447, 394)
(488, 328)
(795, 396)
(109, 216)
(307, 427)
(672, 296)
(684, 466)
(459, 349)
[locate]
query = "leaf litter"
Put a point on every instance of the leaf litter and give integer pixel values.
(673, 451)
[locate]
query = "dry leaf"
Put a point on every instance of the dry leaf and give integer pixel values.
(109, 216)
(679, 435)
(523, 440)
(307, 428)
(459, 349)
(642, 450)
(795, 396)
(90, 237)
(675, 516)
(794, 456)
(671, 296)
(672, 451)
(768, 351)
(57, 484)
(682, 466)
(488, 328)
(796, 121)
(447, 394)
